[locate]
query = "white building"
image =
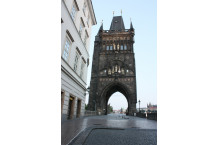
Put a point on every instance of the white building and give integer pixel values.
(77, 19)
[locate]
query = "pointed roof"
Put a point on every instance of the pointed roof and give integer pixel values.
(100, 29)
(117, 23)
(131, 27)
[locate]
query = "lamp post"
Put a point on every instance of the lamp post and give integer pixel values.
(87, 91)
(139, 106)
(95, 104)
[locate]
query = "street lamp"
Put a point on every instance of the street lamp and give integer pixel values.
(95, 104)
(87, 91)
(139, 105)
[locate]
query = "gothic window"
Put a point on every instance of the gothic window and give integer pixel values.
(111, 47)
(125, 47)
(121, 47)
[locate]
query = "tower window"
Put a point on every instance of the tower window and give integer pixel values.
(107, 47)
(121, 47)
(125, 47)
(111, 47)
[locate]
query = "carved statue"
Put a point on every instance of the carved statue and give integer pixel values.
(115, 68)
(122, 70)
(114, 46)
(109, 71)
(119, 70)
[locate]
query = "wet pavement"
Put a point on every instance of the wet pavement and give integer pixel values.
(71, 129)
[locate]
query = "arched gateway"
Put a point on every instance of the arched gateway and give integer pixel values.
(113, 67)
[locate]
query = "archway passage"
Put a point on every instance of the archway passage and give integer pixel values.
(118, 103)
(110, 90)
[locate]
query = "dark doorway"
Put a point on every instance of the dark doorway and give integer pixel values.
(78, 108)
(70, 108)
(62, 100)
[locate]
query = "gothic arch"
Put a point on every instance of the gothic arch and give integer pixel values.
(109, 90)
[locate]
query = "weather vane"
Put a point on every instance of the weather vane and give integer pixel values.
(101, 21)
(121, 12)
(113, 13)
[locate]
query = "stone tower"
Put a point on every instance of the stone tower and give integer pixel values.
(113, 66)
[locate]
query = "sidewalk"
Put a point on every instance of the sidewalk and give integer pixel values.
(70, 129)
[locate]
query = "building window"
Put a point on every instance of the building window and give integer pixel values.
(107, 47)
(125, 47)
(66, 49)
(87, 20)
(81, 27)
(86, 38)
(76, 61)
(111, 47)
(84, 7)
(121, 47)
(82, 69)
(73, 11)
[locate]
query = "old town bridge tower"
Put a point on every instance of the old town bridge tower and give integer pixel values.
(113, 67)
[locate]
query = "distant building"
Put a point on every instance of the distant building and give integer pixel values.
(151, 108)
(77, 19)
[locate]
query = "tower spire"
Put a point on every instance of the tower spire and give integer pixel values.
(131, 26)
(101, 27)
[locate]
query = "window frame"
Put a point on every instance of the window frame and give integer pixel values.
(74, 5)
(66, 58)
(82, 69)
(76, 61)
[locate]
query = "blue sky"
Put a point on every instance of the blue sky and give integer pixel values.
(143, 14)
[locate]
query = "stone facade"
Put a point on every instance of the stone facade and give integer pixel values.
(77, 18)
(113, 66)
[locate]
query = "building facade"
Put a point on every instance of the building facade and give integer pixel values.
(77, 19)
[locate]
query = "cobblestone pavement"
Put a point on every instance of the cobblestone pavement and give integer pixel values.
(122, 137)
(70, 129)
